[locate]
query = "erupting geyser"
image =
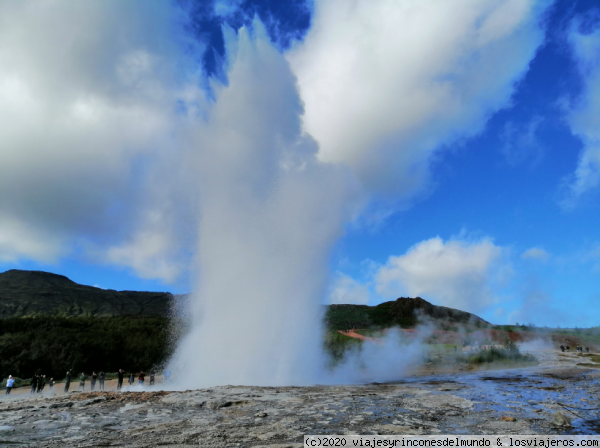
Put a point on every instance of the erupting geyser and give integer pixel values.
(269, 215)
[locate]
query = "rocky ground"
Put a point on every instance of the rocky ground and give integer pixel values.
(516, 401)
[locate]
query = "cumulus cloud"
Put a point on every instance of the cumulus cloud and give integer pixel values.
(87, 107)
(387, 83)
(455, 273)
(535, 253)
(19, 240)
(345, 289)
(226, 8)
(584, 116)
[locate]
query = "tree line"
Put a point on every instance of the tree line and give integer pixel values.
(53, 345)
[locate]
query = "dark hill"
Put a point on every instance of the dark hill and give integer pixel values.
(37, 293)
(404, 312)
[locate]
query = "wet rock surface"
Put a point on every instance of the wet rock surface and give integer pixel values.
(519, 401)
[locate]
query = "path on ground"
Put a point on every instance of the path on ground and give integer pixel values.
(355, 335)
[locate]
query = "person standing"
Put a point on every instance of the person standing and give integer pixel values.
(51, 384)
(34, 383)
(9, 384)
(41, 383)
(93, 381)
(141, 377)
(101, 380)
(67, 381)
(131, 379)
(152, 375)
(120, 379)
(82, 381)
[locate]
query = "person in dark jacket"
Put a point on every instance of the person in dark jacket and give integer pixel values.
(101, 377)
(41, 383)
(120, 379)
(93, 380)
(34, 383)
(67, 381)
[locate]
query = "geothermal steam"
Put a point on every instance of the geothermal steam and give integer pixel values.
(270, 212)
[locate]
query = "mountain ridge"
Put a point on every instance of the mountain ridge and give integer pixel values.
(40, 293)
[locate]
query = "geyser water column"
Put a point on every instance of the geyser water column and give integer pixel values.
(269, 215)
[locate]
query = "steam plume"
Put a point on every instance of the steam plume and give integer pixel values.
(270, 212)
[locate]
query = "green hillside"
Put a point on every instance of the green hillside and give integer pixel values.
(404, 312)
(37, 293)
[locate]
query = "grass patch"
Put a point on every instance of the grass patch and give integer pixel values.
(589, 364)
(443, 348)
(593, 358)
(336, 345)
(493, 355)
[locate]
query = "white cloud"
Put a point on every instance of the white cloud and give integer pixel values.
(387, 83)
(455, 273)
(535, 253)
(584, 117)
(347, 290)
(87, 110)
(19, 240)
(226, 8)
(146, 255)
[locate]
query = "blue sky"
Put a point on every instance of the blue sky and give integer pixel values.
(465, 136)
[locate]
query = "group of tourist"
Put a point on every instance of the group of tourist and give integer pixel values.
(94, 378)
(100, 377)
(38, 381)
(579, 348)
